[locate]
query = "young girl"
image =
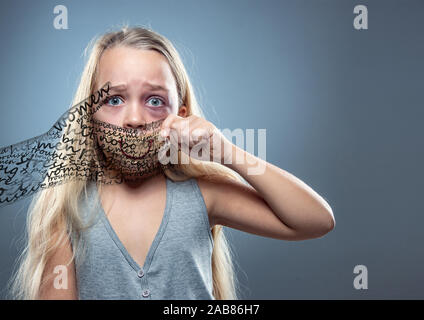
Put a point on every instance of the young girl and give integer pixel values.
(157, 237)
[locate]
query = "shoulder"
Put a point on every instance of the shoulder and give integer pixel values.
(217, 190)
(207, 190)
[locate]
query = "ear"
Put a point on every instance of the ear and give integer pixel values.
(182, 111)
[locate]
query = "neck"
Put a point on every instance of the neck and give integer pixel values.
(134, 186)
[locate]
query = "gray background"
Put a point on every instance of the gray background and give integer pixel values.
(342, 108)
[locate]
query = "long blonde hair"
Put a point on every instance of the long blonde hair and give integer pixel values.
(53, 213)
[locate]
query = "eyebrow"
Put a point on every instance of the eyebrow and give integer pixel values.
(154, 87)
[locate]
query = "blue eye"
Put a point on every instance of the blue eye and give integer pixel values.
(113, 100)
(156, 99)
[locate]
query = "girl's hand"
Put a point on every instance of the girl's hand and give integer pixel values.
(197, 137)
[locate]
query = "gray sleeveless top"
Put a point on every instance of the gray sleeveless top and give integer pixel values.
(177, 265)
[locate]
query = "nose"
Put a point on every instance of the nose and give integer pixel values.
(134, 116)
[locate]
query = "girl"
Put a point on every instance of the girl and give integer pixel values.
(158, 237)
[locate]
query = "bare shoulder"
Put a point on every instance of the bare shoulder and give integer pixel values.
(207, 189)
(238, 205)
(211, 190)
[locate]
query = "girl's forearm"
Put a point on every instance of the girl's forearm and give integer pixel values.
(294, 202)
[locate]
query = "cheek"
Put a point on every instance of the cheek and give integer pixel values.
(98, 135)
(158, 114)
(108, 116)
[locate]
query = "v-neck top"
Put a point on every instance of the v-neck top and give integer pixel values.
(178, 264)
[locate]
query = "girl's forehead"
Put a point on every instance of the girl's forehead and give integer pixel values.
(134, 60)
(134, 67)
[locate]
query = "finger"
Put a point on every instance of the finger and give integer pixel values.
(166, 124)
(181, 126)
(199, 134)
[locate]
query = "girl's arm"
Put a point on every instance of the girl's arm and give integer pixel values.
(51, 291)
(279, 205)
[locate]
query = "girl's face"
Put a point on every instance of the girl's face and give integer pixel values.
(142, 90)
(142, 87)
